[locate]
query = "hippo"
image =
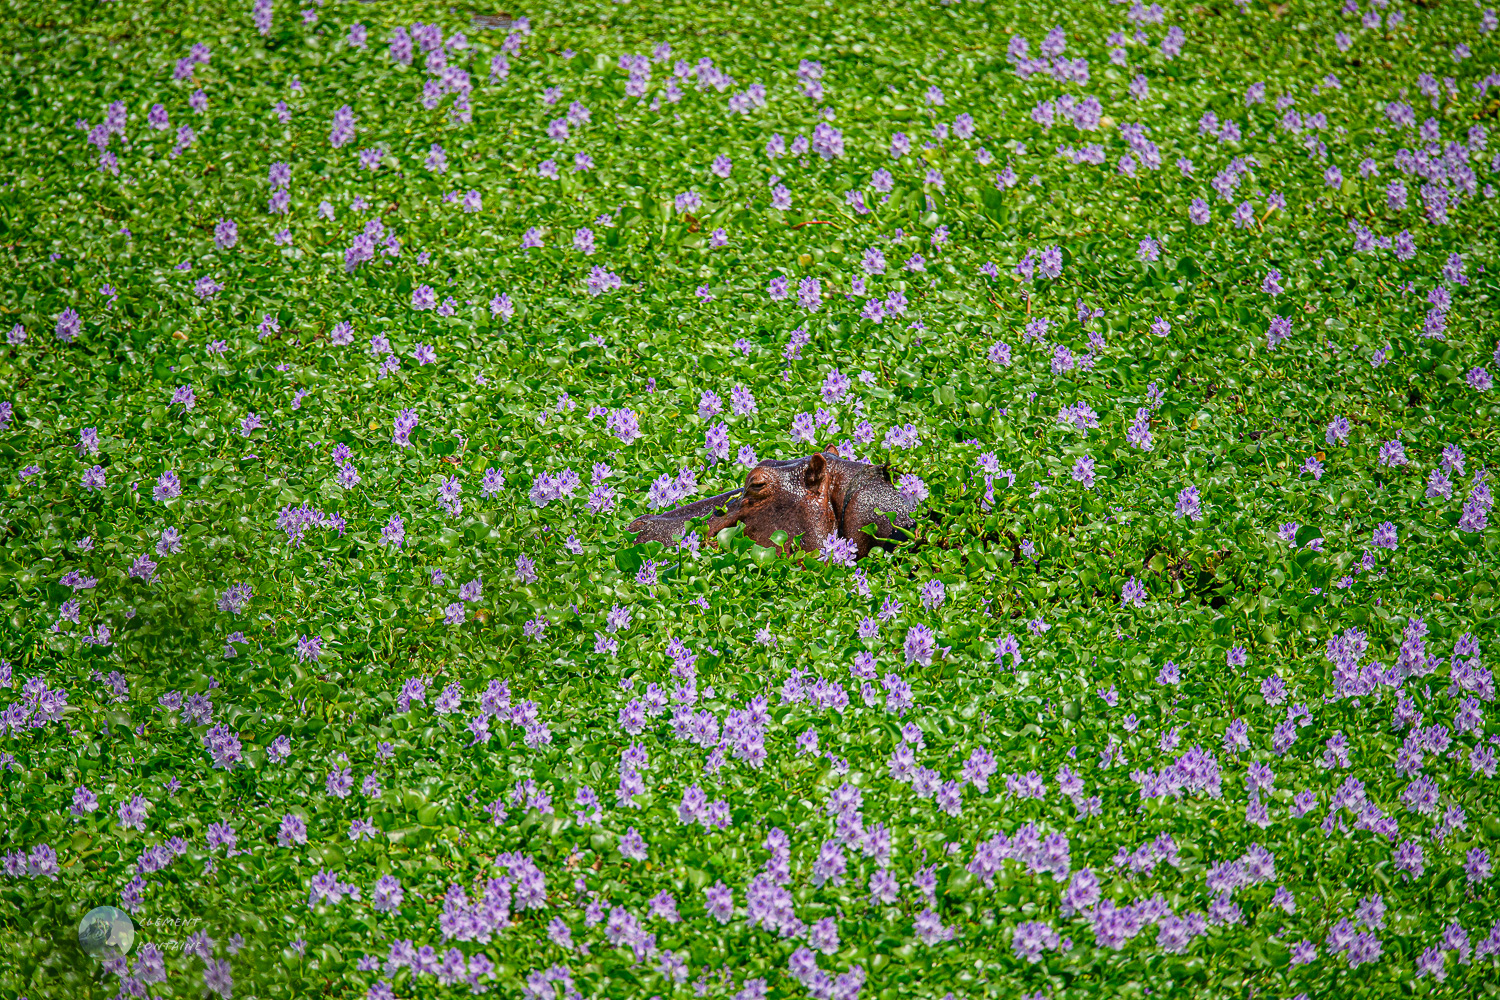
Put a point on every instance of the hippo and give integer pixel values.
(808, 498)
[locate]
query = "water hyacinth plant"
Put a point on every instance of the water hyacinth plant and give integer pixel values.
(344, 340)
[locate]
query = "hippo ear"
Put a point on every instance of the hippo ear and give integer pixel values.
(832, 449)
(814, 477)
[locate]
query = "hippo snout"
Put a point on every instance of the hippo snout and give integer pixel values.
(652, 528)
(670, 525)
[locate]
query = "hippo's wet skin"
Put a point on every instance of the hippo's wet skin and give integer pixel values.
(808, 498)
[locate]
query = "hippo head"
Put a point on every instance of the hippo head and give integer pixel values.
(808, 498)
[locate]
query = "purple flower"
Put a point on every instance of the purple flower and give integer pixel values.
(1337, 431)
(803, 428)
(810, 294)
(930, 929)
(1409, 859)
(343, 126)
(132, 814)
(394, 533)
(920, 645)
(835, 386)
(1475, 513)
(623, 424)
(1281, 329)
(838, 550)
(1138, 435)
(1188, 504)
(84, 802)
(309, 648)
(143, 569)
(912, 488)
(716, 441)
(1031, 938)
(827, 141)
(719, 902)
(167, 487)
(69, 324)
(1477, 865)
(1050, 264)
(1393, 454)
(633, 845)
(405, 422)
(830, 865)
(601, 280)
